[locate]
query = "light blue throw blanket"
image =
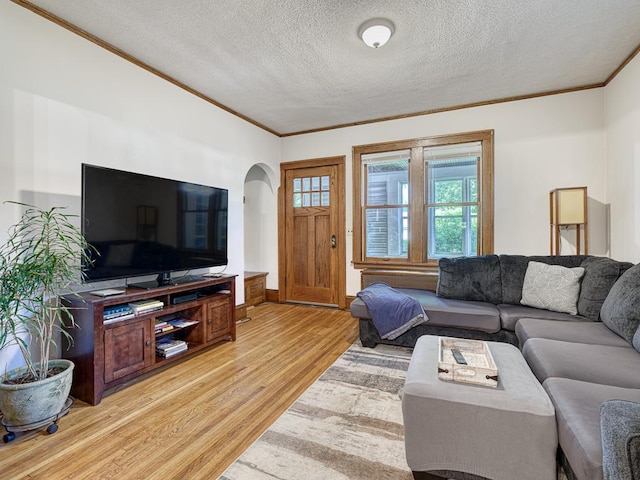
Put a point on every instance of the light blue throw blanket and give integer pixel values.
(392, 311)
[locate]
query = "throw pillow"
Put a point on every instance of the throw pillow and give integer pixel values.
(552, 287)
(514, 267)
(636, 340)
(621, 309)
(600, 274)
(470, 278)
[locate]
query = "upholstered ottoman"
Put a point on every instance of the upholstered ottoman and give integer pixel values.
(498, 433)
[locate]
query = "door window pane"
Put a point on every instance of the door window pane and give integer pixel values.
(311, 191)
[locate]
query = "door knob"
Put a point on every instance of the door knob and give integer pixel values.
(333, 241)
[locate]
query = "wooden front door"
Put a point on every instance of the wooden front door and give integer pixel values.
(314, 237)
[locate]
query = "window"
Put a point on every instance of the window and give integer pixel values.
(387, 202)
(452, 199)
(195, 206)
(424, 199)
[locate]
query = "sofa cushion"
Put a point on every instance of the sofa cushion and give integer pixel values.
(359, 309)
(552, 287)
(470, 278)
(603, 364)
(514, 267)
(446, 312)
(594, 333)
(510, 314)
(600, 273)
(621, 309)
(578, 417)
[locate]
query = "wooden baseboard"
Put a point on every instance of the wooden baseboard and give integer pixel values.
(271, 295)
(241, 312)
(347, 301)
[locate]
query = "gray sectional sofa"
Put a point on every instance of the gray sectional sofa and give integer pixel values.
(479, 297)
(588, 369)
(588, 362)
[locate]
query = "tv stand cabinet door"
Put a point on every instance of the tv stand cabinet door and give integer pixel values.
(127, 349)
(218, 319)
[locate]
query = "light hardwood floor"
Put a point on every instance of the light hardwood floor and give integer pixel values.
(191, 421)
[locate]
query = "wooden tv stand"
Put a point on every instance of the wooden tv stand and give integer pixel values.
(108, 354)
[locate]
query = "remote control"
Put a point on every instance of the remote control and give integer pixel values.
(458, 356)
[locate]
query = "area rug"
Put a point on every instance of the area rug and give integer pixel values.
(346, 426)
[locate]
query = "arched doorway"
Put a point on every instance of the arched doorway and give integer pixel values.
(260, 224)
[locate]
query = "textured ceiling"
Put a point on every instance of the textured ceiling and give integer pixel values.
(297, 65)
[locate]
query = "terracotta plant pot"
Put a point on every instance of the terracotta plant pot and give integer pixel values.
(30, 403)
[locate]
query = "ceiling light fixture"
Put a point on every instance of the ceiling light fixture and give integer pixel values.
(376, 32)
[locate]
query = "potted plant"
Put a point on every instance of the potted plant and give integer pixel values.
(41, 259)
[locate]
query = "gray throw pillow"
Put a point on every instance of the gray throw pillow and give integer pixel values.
(621, 309)
(600, 274)
(636, 340)
(470, 278)
(552, 287)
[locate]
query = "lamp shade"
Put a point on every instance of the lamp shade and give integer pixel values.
(569, 206)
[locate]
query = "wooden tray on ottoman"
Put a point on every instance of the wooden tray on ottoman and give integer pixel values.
(480, 368)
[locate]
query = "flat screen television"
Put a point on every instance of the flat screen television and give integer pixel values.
(143, 225)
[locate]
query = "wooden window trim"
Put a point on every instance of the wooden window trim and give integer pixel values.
(417, 259)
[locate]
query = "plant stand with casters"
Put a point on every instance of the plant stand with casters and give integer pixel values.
(51, 429)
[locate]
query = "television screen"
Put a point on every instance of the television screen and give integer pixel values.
(141, 225)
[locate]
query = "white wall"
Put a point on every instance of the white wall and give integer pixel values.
(540, 144)
(622, 102)
(260, 222)
(65, 101)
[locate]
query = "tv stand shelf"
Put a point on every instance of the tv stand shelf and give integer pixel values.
(109, 354)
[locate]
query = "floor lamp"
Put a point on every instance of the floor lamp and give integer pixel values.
(568, 208)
